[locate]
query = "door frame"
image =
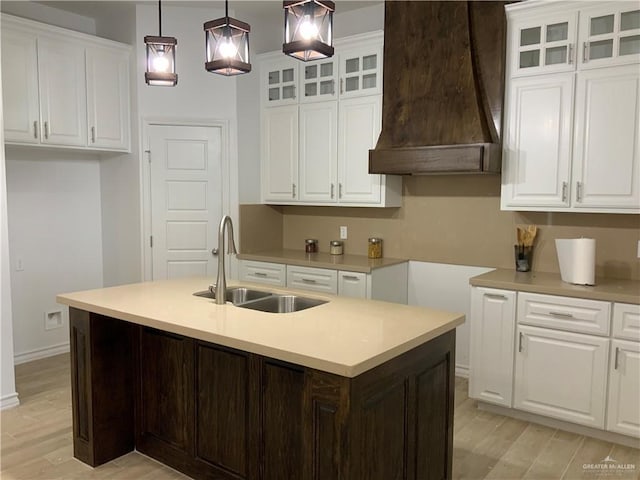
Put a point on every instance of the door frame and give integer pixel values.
(229, 162)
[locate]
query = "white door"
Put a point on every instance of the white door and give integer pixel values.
(623, 414)
(561, 375)
(108, 98)
(20, 86)
(493, 318)
(280, 154)
(63, 99)
(186, 199)
(607, 148)
(318, 151)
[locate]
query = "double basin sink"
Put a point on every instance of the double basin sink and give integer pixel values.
(264, 301)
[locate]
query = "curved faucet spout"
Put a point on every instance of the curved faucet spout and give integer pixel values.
(221, 282)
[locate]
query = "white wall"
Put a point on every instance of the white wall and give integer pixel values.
(446, 287)
(55, 230)
(8, 395)
(52, 16)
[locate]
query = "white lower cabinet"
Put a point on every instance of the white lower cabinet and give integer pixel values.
(623, 413)
(492, 323)
(553, 378)
(315, 279)
(352, 284)
(263, 272)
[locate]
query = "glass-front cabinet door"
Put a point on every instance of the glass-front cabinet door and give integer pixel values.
(279, 82)
(610, 34)
(361, 71)
(319, 80)
(543, 45)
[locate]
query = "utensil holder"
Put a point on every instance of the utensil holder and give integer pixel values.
(523, 257)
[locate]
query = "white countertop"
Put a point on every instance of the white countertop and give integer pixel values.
(346, 336)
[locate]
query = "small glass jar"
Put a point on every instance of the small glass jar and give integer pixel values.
(374, 249)
(311, 245)
(336, 247)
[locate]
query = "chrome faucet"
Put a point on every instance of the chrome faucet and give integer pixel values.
(221, 282)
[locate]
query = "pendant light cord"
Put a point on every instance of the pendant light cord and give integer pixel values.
(226, 8)
(160, 17)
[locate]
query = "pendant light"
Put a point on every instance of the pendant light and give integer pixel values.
(308, 29)
(227, 45)
(161, 57)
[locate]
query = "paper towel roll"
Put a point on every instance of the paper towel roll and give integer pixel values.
(577, 259)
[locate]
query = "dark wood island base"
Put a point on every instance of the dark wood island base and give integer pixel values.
(213, 412)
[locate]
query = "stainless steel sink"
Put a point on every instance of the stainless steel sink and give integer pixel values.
(236, 295)
(282, 304)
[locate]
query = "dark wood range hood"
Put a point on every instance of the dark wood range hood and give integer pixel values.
(443, 88)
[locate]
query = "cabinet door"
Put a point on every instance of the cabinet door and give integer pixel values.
(359, 124)
(607, 144)
(545, 44)
(493, 321)
(626, 321)
(20, 86)
(623, 411)
(263, 272)
(352, 284)
(318, 80)
(108, 98)
(280, 154)
(609, 35)
(576, 390)
(361, 71)
(279, 82)
(314, 279)
(318, 151)
(61, 71)
(537, 143)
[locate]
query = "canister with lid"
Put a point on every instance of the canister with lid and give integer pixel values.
(336, 247)
(311, 245)
(374, 249)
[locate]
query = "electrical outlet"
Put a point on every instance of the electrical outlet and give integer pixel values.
(52, 319)
(19, 264)
(343, 233)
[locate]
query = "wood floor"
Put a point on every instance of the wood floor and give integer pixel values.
(35, 441)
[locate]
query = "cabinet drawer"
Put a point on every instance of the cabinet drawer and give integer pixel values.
(316, 279)
(564, 313)
(352, 284)
(263, 272)
(626, 321)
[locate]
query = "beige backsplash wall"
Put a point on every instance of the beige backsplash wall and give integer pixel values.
(446, 219)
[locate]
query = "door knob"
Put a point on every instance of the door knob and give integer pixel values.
(214, 252)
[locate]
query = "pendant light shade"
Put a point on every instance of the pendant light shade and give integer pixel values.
(308, 29)
(161, 58)
(227, 45)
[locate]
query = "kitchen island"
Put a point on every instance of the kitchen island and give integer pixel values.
(349, 389)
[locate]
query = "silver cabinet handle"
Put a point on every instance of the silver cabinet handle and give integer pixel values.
(332, 190)
(46, 130)
(341, 86)
(564, 191)
(578, 191)
(616, 361)
(214, 252)
(339, 190)
(309, 280)
(495, 295)
(333, 87)
(520, 342)
(93, 134)
(351, 277)
(35, 129)
(561, 314)
(570, 54)
(585, 52)
(293, 190)
(260, 274)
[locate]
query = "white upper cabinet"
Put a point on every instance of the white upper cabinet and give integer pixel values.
(544, 43)
(107, 76)
(63, 88)
(319, 153)
(20, 86)
(609, 34)
(572, 107)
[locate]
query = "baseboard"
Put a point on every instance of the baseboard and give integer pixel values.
(462, 371)
(40, 353)
(561, 425)
(9, 401)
